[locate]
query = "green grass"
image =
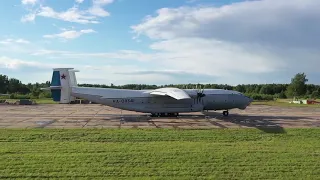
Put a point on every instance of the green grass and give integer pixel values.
(283, 103)
(45, 101)
(38, 101)
(159, 154)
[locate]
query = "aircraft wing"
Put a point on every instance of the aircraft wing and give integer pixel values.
(175, 93)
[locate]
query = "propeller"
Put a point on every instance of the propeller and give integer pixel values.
(200, 90)
(200, 93)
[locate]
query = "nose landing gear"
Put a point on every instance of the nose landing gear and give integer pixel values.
(225, 113)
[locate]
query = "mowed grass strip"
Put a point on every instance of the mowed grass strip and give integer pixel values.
(159, 154)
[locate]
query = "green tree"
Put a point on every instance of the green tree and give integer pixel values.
(240, 88)
(297, 86)
(257, 89)
(282, 95)
(315, 94)
(4, 83)
(14, 85)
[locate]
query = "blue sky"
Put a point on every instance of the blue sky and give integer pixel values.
(161, 42)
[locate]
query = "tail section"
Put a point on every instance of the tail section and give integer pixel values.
(63, 79)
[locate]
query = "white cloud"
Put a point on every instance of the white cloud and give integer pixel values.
(27, 2)
(98, 11)
(102, 2)
(12, 41)
(97, 8)
(117, 55)
(28, 18)
(79, 1)
(195, 60)
(48, 52)
(22, 41)
(214, 57)
(18, 46)
(71, 34)
(245, 42)
(268, 22)
(35, 71)
(30, 7)
(14, 64)
(251, 37)
(73, 14)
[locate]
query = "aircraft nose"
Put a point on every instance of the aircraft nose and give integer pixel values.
(249, 100)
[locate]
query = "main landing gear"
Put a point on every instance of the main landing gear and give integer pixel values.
(164, 114)
(225, 113)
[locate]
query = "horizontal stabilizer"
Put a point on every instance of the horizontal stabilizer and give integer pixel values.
(51, 87)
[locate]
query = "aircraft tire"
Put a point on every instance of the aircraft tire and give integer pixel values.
(225, 113)
(164, 114)
(154, 114)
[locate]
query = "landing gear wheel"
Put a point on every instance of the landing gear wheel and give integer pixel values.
(164, 114)
(225, 113)
(155, 114)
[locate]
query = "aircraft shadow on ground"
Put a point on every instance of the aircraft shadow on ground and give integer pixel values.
(268, 124)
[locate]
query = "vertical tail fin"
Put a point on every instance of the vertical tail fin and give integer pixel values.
(63, 79)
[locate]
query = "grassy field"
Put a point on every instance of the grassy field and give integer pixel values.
(283, 103)
(159, 154)
(45, 101)
(38, 101)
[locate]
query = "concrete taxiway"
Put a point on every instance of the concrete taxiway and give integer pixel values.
(98, 116)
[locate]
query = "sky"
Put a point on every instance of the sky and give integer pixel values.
(161, 42)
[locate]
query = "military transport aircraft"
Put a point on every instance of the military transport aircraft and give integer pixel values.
(167, 101)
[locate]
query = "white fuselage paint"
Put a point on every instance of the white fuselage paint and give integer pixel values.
(142, 101)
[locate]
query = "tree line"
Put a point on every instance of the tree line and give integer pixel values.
(298, 87)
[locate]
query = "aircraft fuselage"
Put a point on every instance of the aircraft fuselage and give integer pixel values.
(168, 100)
(140, 101)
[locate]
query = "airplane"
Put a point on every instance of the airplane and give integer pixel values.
(168, 101)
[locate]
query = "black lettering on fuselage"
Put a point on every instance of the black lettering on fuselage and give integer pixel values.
(123, 100)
